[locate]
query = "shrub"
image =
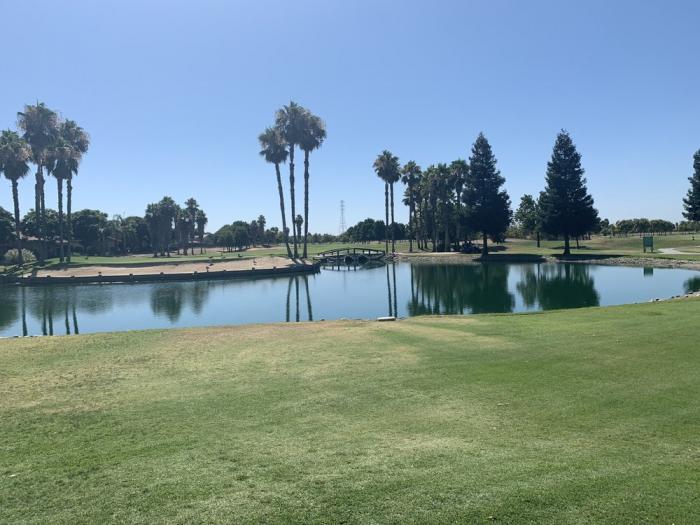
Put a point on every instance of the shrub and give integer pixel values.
(11, 256)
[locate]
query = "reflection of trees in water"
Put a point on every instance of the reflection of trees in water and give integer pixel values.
(555, 286)
(54, 308)
(692, 285)
(9, 306)
(294, 281)
(455, 289)
(169, 299)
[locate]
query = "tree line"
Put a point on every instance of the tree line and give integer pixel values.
(56, 147)
(451, 203)
(294, 126)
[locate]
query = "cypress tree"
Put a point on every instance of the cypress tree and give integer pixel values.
(691, 203)
(488, 205)
(566, 207)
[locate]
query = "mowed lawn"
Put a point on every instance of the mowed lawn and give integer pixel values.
(579, 416)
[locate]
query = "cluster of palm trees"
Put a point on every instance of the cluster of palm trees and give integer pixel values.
(294, 126)
(447, 202)
(55, 146)
(166, 220)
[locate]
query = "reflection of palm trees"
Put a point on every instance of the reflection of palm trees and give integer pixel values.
(388, 290)
(456, 289)
(309, 311)
(557, 286)
(308, 297)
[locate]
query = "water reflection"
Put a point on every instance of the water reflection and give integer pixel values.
(309, 310)
(554, 286)
(394, 289)
(692, 285)
(458, 289)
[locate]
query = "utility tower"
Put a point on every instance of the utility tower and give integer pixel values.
(342, 218)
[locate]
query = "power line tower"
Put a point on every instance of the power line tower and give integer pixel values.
(342, 218)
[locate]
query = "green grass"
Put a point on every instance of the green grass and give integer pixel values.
(579, 416)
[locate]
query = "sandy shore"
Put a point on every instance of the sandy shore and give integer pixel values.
(185, 267)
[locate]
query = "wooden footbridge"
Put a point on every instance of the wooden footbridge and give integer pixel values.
(350, 255)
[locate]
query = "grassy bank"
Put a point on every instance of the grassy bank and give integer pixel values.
(579, 416)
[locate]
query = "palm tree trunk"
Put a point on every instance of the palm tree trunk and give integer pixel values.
(411, 219)
(291, 193)
(306, 199)
(15, 201)
(284, 217)
(485, 247)
(59, 185)
(567, 249)
(447, 232)
(393, 230)
(435, 232)
(42, 193)
(386, 214)
(38, 189)
(69, 226)
(538, 239)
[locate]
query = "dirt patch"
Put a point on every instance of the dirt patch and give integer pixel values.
(174, 268)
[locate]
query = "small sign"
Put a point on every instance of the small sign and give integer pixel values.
(648, 242)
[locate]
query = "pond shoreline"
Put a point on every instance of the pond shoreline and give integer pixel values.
(85, 274)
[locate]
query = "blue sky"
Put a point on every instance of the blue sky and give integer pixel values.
(175, 93)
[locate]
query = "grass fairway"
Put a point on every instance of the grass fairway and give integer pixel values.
(579, 416)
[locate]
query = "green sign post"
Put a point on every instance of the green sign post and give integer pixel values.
(648, 242)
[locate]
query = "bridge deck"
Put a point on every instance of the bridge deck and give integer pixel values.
(353, 253)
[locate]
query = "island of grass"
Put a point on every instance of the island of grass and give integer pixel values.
(579, 416)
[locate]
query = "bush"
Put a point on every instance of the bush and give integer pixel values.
(11, 256)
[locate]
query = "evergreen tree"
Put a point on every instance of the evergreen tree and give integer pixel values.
(692, 201)
(566, 208)
(527, 217)
(487, 204)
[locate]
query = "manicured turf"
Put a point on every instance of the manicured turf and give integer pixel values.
(579, 416)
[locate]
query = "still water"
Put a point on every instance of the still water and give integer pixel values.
(401, 289)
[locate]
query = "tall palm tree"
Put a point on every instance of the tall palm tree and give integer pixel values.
(58, 164)
(312, 138)
(410, 176)
(387, 168)
(77, 141)
(298, 222)
(39, 125)
(290, 121)
(191, 207)
(274, 151)
(201, 220)
(14, 155)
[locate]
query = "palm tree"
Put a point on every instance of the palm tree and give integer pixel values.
(410, 176)
(386, 166)
(191, 207)
(298, 222)
(39, 125)
(290, 122)
(58, 165)
(274, 151)
(77, 141)
(312, 138)
(14, 155)
(201, 220)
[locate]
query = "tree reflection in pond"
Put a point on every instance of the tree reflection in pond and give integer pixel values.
(459, 289)
(555, 286)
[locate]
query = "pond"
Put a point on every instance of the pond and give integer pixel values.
(401, 289)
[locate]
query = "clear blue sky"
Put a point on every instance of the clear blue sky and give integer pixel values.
(175, 93)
